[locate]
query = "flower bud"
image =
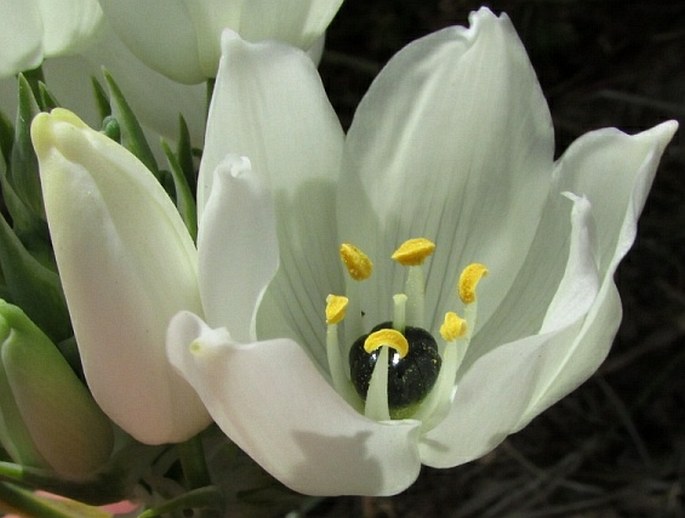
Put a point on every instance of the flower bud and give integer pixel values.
(47, 416)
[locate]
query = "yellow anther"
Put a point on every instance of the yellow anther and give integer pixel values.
(389, 337)
(357, 262)
(413, 251)
(336, 305)
(453, 327)
(468, 280)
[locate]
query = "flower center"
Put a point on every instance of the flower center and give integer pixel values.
(413, 367)
(398, 370)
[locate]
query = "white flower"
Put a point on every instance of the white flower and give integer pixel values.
(453, 142)
(32, 30)
(181, 38)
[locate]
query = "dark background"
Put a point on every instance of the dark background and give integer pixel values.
(614, 447)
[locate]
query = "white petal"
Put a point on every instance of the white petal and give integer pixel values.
(68, 24)
(21, 36)
(522, 311)
(297, 22)
(237, 247)
(272, 402)
(452, 142)
(181, 38)
(615, 172)
(127, 265)
(490, 399)
(160, 33)
(270, 106)
(587, 349)
(32, 30)
(580, 283)
(494, 391)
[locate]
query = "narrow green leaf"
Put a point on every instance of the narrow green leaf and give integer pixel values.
(101, 99)
(184, 152)
(23, 173)
(33, 287)
(6, 138)
(34, 77)
(25, 222)
(184, 196)
(132, 136)
(46, 101)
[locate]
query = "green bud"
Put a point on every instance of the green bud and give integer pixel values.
(47, 416)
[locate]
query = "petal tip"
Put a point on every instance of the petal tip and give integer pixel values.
(228, 38)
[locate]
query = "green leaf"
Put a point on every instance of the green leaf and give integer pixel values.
(184, 197)
(184, 152)
(101, 99)
(6, 138)
(46, 101)
(23, 173)
(25, 222)
(132, 136)
(33, 287)
(33, 78)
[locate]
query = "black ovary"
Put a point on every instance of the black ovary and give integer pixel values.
(409, 378)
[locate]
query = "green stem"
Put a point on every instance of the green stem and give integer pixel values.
(192, 457)
(13, 499)
(206, 499)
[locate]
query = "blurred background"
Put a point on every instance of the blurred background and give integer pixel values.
(616, 446)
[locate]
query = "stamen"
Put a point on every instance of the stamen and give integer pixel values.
(415, 288)
(413, 251)
(388, 337)
(335, 312)
(399, 320)
(358, 264)
(376, 406)
(336, 305)
(453, 327)
(468, 280)
(437, 405)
